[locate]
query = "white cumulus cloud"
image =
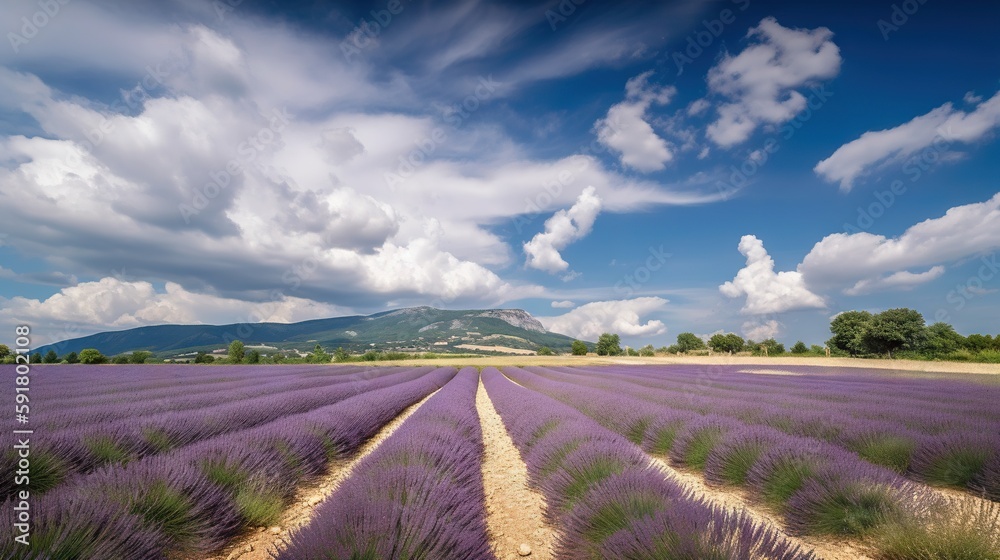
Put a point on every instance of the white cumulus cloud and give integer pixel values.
(867, 262)
(761, 330)
(902, 280)
(936, 131)
(564, 304)
(768, 291)
(563, 228)
(626, 131)
(623, 317)
(760, 84)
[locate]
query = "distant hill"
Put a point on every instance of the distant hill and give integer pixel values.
(417, 329)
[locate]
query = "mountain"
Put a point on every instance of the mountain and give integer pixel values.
(417, 329)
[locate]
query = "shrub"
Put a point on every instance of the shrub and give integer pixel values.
(988, 357)
(736, 453)
(686, 342)
(835, 506)
(579, 348)
(105, 450)
(341, 355)
(955, 460)
(661, 438)
(777, 477)
(888, 450)
(203, 358)
(694, 442)
(236, 352)
(609, 345)
(92, 356)
(950, 530)
(140, 356)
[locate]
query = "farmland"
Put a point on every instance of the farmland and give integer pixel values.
(435, 462)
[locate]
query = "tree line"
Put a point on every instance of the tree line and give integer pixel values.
(894, 333)
(903, 333)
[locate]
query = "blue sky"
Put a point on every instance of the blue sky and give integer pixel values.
(646, 168)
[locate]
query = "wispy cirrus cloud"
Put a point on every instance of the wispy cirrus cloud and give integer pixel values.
(941, 129)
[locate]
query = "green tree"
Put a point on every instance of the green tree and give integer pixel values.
(35, 358)
(687, 342)
(849, 330)
(341, 355)
(253, 357)
(647, 351)
(800, 348)
(579, 348)
(941, 339)
(894, 329)
(92, 356)
(730, 342)
(236, 351)
(4, 351)
(203, 358)
(51, 357)
(319, 356)
(71, 358)
(545, 351)
(609, 345)
(978, 342)
(121, 359)
(140, 356)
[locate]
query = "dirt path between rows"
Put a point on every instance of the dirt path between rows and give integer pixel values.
(513, 510)
(260, 544)
(824, 548)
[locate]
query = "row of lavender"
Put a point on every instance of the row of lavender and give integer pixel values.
(419, 495)
(81, 384)
(64, 406)
(936, 431)
(605, 497)
(820, 488)
(82, 448)
(195, 498)
(931, 405)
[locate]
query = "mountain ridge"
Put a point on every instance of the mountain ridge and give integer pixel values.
(414, 329)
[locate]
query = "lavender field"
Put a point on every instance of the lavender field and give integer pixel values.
(627, 462)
